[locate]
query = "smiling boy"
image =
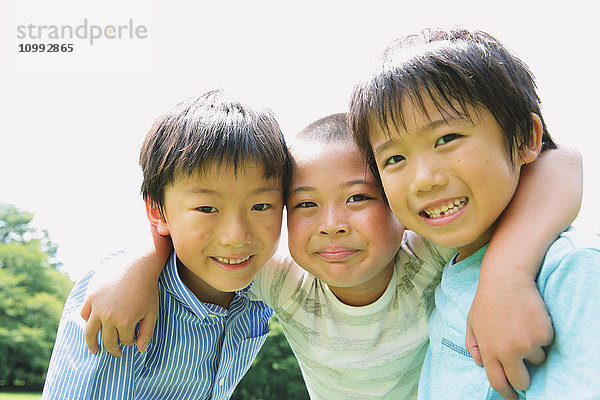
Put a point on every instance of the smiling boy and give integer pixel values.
(215, 173)
(449, 137)
(225, 230)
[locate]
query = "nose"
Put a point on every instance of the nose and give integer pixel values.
(428, 175)
(235, 232)
(333, 222)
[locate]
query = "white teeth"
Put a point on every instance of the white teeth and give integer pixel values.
(230, 261)
(447, 209)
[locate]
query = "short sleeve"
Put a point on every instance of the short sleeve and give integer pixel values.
(568, 286)
(278, 281)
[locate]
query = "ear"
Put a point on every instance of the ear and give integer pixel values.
(156, 218)
(529, 151)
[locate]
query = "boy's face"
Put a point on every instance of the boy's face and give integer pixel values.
(340, 229)
(224, 224)
(446, 178)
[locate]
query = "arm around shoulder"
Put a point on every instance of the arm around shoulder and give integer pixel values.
(74, 372)
(126, 293)
(546, 202)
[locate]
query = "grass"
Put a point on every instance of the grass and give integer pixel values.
(20, 396)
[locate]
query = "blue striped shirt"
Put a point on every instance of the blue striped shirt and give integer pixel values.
(198, 351)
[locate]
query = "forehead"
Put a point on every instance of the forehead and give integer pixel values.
(328, 166)
(246, 177)
(415, 113)
(343, 155)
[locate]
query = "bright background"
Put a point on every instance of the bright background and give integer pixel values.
(72, 123)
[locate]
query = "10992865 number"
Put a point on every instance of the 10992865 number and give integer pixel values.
(45, 48)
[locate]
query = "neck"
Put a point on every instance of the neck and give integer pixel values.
(468, 250)
(203, 291)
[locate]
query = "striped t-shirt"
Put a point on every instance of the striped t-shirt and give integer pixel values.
(370, 352)
(198, 351)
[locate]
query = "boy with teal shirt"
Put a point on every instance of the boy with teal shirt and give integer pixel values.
(457, 119)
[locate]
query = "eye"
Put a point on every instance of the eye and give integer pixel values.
(261, 206)
(306, 204)
(446, 139)
(394, 160)
(207, 209)
(357, 198)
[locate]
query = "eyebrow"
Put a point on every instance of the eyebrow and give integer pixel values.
(429, 126)
(345, 184)
(201, 190)
(355, 182)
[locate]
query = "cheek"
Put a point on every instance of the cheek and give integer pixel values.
(187, 240)
(297, 227)
(397, 200)
(271, 230)
(299, 232)
(393, 188)
(384, 225)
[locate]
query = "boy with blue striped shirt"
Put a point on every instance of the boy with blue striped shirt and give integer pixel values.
(215, 174)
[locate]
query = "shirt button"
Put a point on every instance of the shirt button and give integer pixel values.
(221, 381)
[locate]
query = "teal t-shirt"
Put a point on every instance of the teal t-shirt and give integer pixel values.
(569, 282)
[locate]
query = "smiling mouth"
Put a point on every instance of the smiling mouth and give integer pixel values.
(445, 210)
(232, 261)
(336, 255)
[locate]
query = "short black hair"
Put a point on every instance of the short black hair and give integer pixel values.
(334, 128)
(455, 66)
(329, 129)
(209, 131)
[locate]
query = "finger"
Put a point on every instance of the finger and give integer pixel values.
(517, 375)
(86, 309)
(536, 356)
(92, 327)
(549, 338)
(497, 378)
(473, 347)
(127, 336)
(110, 340)
(145, 332)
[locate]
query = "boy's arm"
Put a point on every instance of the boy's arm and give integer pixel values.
(76, 374)
(124, 294)
(508, 321)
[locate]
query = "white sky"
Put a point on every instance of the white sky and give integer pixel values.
(73, 123)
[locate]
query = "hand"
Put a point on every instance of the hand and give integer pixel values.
(508, 323)
(117, 299)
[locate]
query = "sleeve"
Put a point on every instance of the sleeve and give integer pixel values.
(74, 372)
(571, 368)
(278, 281)
(428, 253)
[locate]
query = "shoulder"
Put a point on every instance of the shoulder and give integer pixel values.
(279, 280)
(78, 294)
(574, 256)
(419, 251)
(572, 246)
(574, 239)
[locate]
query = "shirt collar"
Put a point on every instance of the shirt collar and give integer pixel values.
(172, 282)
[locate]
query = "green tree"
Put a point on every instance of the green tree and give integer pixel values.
(32, 293)
(275, 373)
